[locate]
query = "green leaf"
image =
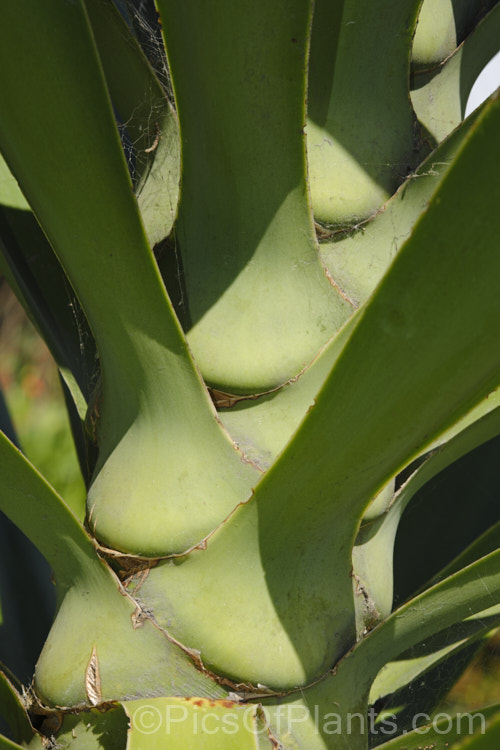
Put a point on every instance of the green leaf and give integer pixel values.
(420, 677)
(92, 730)
(263, 426)
(12, 709)
(440, 96)
(7, 744)
(344, 691)
(153, 400)
(195, 723)
(435, 35)
(31, 503)
(486, 543)
(449, 502)
(461, 498)
(487, 741)
(303, 518)
(408, 686)
(27, 596)
(445, 480)
(258, 305)
(441, 733)
(462, 595)
(372, 565)
(309, 720)
(148, 117)
(85, 445)
(6, 425)
(35, 274)
(357, 260)
(362, 136)
(27, 599)
(97, 624)
(442, 26)
(179, 723)
(135, 658)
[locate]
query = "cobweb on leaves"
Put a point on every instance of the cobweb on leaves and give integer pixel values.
(143, 21)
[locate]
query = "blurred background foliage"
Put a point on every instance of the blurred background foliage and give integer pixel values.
(31, 387)
(480, 683)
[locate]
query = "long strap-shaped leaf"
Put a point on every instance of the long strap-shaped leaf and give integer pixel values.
(449, 649)
(226, 725)
(358, 260)
(154, 404)
(462, 499)
(346, 688)
(362, 136)
(259, 302)
(440, 96)
(6, 744)
(147, 115)
(262, 427)
(35, 274)
(442, 25)
(373, 553)
(481, 725)
(27, 600)
(478, 729)
(310, 722)
(12, 709)
(482, 740)
(92, 611)
(31, 503)
(423, 351)
(488, 542)
(472, 590)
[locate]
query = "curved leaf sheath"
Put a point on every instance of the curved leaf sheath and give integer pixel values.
(153, 401)
(440, 95)
(303, 518)
(259, 304)
(362, 135)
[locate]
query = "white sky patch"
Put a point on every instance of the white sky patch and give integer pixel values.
(486, 83)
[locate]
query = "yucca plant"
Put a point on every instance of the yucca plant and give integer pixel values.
(268, 273)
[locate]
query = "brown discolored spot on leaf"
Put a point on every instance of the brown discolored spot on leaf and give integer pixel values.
(93, 680)
(138, 618)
